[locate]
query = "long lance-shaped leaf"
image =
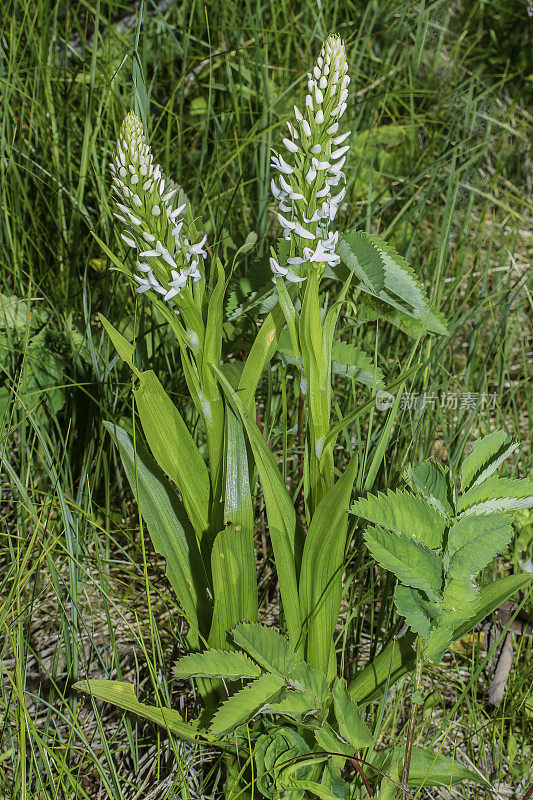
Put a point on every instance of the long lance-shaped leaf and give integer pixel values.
(170, 531)
(399, 657)
(122, 694)
(285, 532)
(171, 444)
(262, 350)
(234, 584)
(321, 574)
(233, 558)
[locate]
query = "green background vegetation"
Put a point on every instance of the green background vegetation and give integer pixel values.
(440, 110)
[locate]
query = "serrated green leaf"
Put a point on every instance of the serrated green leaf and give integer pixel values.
(349, 719)
(217, 664)
(404, 512)
(268, 647)
(304, 678)
(246, 703)
(412, 563)
(296, 705)
(474, 541)
(485, 457)
(497, 494)
(431, 481)
(419, 613)
(348, 359)
(438, 643)
(360, 254)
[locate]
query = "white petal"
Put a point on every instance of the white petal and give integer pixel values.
(128, 240)
(340, 152)
(333, 128)
(286, 223)
(311, 175)
(319, 118)
(340, 139)
(306, 128)
(298, 114)
(316, 149)
(291, 147)
(303, 232)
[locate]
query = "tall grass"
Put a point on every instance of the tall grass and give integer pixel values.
(441, 169)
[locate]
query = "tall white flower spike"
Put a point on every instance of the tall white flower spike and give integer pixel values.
(316, 158)
(156, 227)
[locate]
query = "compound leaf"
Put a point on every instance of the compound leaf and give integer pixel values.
(404, 512)
(266, 646)
(474, 541)
(485, 457)
(217, 664)
(412, 563)
(246, 703)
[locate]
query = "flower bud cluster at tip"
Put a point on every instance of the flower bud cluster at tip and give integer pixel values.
(306, 184)
(156, 228)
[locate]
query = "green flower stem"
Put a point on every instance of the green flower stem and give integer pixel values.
(317, 383)
(420, 646)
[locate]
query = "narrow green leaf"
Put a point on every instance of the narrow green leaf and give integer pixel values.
(474, 541)
(246, 703)
(268, 647)
(485, 457)
(217, 664)
(412, 563)
(170, 531)
(124, 348)
(404, 512)
(122, 694)
(351, 725)
(321, 573)
(428, 768)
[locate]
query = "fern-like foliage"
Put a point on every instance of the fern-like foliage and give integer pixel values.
(436, 543)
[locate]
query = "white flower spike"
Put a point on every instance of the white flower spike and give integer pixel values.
(303, 190)
(146, 201)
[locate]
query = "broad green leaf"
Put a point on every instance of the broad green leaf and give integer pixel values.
(246, 703)
(431, 481)
(175, 451)
(169, 439)
(170, 531)
(122, 694)
(485, 457)
(321, 573)
(296, 705)
(362, 255)
(474, 541)
(266, 646)
(234, 583)
(274, 752)
(412, 563)
(285, 532)
(400, 280)
(232, 556)
(439, 642)
(404, 512)
(304, 678)
(497, 494)
(417, 611)
(351, 725)
(314, 788)
(490, 598)
(329, 741)
(216, 664)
